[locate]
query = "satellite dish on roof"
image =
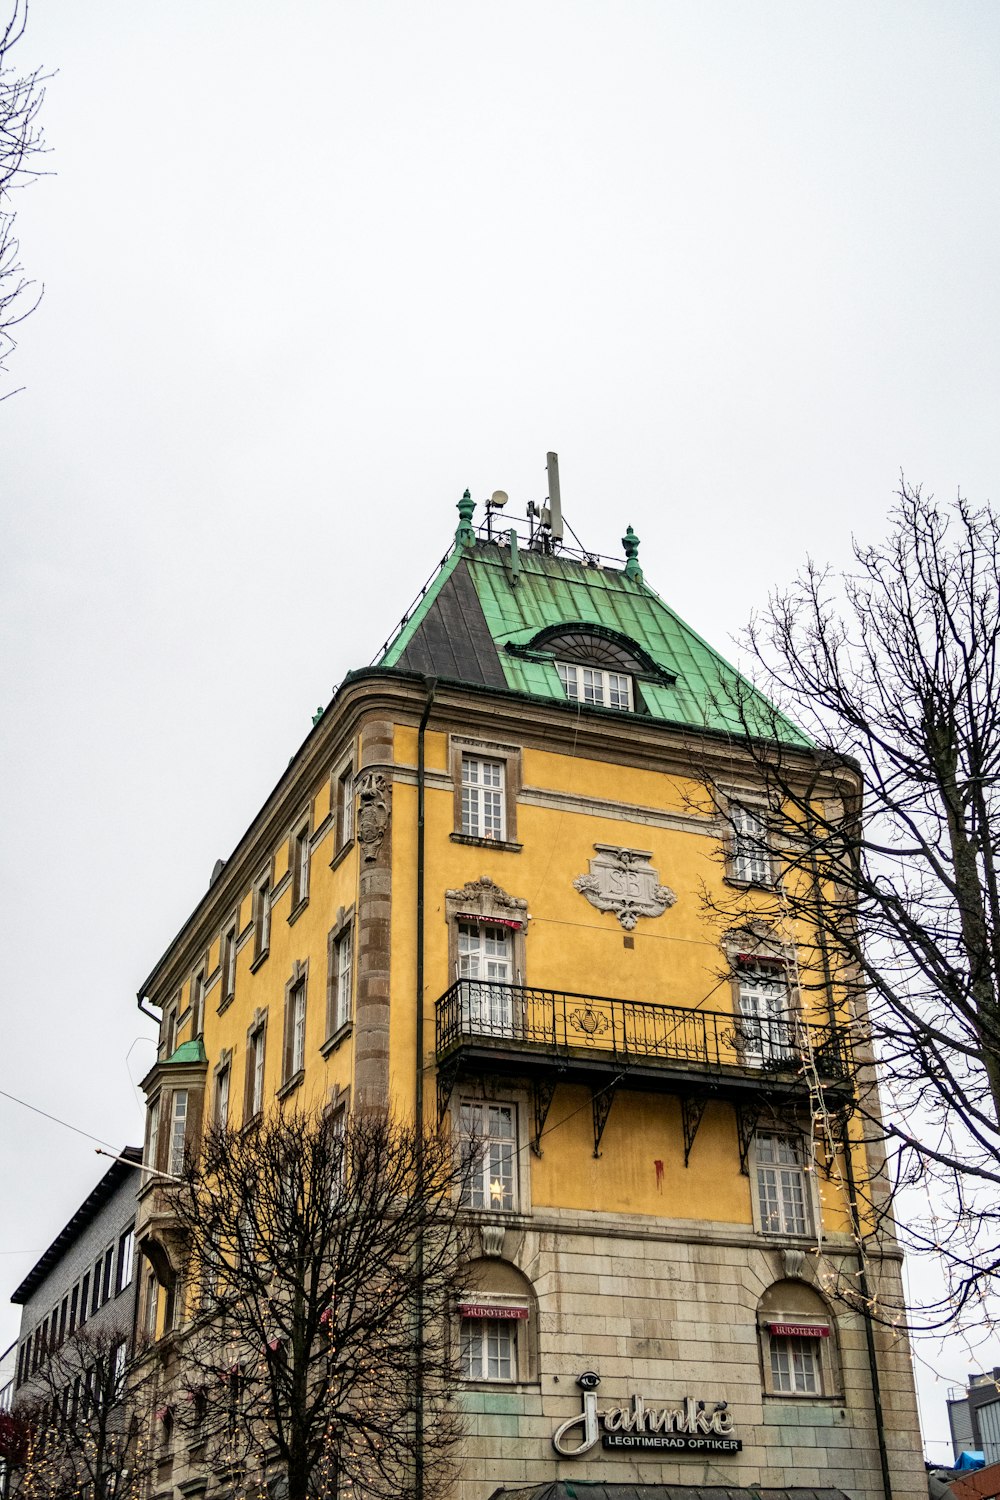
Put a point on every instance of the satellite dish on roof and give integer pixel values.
(498, 500)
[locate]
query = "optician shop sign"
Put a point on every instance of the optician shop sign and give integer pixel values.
(690, 1427)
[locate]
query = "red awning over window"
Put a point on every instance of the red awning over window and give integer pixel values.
(475, 916)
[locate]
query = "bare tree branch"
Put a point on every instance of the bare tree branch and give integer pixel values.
(22, 142)
(315, 1256)
(888, 833)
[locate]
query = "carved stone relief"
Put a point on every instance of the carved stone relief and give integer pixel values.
(373, 813)
(484, 898)
(624, 882)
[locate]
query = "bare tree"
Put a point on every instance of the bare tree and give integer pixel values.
(21, 143)
(84, 1432)
(887, 833)
(324, 1262)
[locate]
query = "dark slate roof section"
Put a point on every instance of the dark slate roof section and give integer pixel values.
(88, 1210)
(453, 639)
(584, 1489)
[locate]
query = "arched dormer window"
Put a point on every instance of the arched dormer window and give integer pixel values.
(597, 666)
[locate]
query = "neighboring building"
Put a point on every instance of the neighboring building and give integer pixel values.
(974, 1418)
(8, 1364)
(485, 867)
(83, 1281)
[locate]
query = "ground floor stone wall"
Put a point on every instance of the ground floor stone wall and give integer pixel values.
(667, 1316)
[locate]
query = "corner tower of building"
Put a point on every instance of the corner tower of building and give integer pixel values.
(489, 889)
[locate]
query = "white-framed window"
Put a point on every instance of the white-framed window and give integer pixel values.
(152, 1299)
(222, 1079)
(178, 1129)
(126, 1260)
(483, 798)
(489, 1137)
(765, 1028)
(338, 1156)
(229, 963)
(345, 806)
(489, 1349)
(297, 1027)
(119, 1359)
(262, 917)
(796, 1367)
(299, 860)
(751, 856)
(595, 685)
(343, 961)
(152, 1140)
(486, 955)
(798, 1339)
(783, 1202)
(168, 1029)
(198, 1003)
(255, 1071)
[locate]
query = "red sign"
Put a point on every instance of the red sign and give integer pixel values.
(800, 1330)
(490, 1310)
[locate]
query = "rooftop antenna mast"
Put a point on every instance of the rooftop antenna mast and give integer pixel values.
(549, 530)
(555, 519)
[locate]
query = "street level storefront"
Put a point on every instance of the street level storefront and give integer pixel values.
(582, 1490)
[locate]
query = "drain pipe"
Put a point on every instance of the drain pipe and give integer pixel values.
(418, 1412)
(852, 1201)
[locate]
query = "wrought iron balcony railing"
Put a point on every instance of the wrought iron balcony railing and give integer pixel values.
(517, 1019)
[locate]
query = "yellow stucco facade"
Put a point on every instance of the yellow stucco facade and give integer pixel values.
(636, 1211)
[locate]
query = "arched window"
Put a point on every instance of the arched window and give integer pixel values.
(798, 1342)
(498, 1331)
(597, 666)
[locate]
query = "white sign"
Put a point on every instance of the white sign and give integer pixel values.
(692, 1427)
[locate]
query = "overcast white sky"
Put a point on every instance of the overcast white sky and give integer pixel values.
(311, 270)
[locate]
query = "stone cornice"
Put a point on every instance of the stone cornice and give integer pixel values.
(618, 738)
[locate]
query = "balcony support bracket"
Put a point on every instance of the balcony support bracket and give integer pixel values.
(832, 1139)
(543, 1091)
(446, 1079)
(691, 1113)
(747, 1120)
(602, 1100)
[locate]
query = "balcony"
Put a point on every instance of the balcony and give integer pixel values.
(553, 1035)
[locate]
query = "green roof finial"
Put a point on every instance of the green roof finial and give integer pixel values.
(465, 536)
(318, 715)
(631, 544)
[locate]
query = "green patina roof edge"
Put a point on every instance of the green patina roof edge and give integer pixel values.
(608, 715)
(189, 1052)
(796, 735)
(784, 730)
(416, 619)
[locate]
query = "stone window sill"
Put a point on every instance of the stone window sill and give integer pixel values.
(340, 1035)
(291, 1084)
(261, 958)
(771, 886)
(225, 1003)
(470, 838)
(297, 910)
(818, 1398)
(341, 854)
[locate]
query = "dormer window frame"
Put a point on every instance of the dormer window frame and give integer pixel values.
(597, 667)
(582, 683)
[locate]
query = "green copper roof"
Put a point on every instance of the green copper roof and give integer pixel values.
(190, 1052)
(488, 603)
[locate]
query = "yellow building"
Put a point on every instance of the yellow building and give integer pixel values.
(487, 889)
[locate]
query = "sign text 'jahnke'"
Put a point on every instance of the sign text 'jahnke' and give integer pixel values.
(691, 1427)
